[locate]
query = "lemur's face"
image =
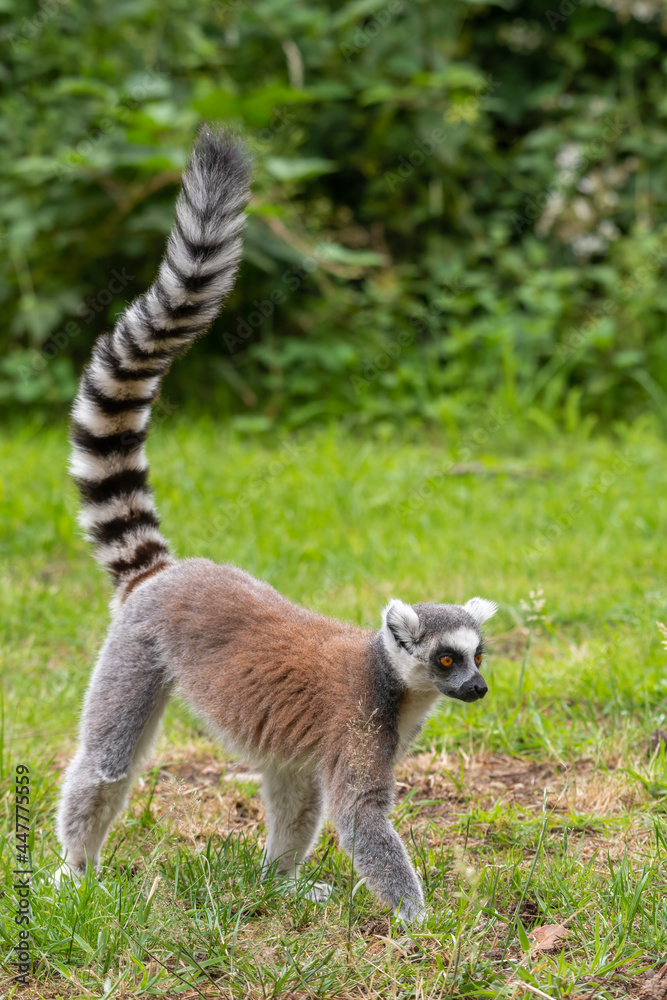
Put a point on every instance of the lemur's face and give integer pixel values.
(439, 645)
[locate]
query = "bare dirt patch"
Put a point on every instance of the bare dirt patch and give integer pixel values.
(596, 804)
(199, 794)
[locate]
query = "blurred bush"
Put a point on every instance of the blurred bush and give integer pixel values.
(457, 206)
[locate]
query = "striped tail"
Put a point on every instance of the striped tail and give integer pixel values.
(112, 410)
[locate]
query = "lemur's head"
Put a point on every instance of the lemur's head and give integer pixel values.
(438, 645)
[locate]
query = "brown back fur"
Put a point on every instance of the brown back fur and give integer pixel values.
(274, 679)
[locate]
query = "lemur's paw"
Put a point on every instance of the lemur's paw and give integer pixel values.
(65, 873)
(319, 892)
(316, 892)
(411, 912)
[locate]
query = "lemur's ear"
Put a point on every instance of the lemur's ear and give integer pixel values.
(401, 622)
(480, 609)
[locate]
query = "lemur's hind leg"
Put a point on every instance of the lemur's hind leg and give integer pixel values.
(293, 800)
(124, 705)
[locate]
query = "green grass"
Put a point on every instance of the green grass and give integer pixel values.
(537, 806)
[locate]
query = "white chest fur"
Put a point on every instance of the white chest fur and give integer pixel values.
(415, 707)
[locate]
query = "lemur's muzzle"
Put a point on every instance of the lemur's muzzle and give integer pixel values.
(471, 690)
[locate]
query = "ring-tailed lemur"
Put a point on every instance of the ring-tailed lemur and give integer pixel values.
(324, 709)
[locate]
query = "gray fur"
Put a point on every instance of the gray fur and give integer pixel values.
(149, 652)
(414, 648)
(377, 851)
(294, 814)
(322, 708)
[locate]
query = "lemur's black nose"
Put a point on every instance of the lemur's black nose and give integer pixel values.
(472, 690)
(481, 687)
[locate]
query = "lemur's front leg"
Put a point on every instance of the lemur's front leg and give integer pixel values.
(381, 858)
(378, 853)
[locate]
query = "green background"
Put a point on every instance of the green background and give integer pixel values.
(454, 203)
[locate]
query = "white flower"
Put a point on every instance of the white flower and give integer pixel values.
(533, 609)
(585, 244)
(598, 105)
(582, 209)
(643, 11)
(569, 156)
(662, 629)
(608, 230)
(552, 209)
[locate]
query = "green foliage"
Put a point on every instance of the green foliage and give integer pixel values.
(455, 204)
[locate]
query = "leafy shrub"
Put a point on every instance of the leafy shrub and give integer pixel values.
(457, 206)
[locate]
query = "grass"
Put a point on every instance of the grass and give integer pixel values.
(540, 805)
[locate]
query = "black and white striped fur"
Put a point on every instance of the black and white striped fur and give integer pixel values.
(112, 410)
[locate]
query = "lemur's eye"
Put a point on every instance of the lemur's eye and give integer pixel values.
(478, 659)
(446, 661)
